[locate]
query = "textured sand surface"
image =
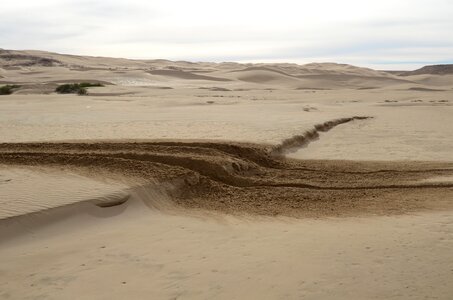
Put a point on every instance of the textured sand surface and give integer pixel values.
(172, 181)
(143, 254)
(241, 178)
(28, 190)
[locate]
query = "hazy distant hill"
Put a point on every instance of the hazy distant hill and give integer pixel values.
(37, 71)
(433, 69)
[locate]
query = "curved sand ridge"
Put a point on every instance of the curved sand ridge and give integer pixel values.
(248, 178)
(298, 141)
(137, 200)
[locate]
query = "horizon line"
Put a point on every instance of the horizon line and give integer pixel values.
(258, 61)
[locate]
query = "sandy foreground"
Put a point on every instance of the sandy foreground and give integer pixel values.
(179, 180)
(144, 254)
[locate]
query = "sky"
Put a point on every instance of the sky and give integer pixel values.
(383, 34)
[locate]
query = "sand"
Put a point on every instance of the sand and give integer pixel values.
(144, 254)
(28, 190)
(244, 178)
(181, 180)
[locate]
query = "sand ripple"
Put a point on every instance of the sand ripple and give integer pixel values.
(24, 191)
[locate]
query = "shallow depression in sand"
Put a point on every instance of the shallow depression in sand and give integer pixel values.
(25, 191)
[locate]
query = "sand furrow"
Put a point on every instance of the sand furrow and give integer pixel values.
(234, 177)
(298, 141)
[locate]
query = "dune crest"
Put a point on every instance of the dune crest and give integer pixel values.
(39, 66)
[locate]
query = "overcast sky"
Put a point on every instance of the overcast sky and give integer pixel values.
(383, 34)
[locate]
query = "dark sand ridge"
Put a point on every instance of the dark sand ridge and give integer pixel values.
(248, 178)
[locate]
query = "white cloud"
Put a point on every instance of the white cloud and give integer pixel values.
(392, 33)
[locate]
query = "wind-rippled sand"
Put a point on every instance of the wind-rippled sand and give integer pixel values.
(25, 190)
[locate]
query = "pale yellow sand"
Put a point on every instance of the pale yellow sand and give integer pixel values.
(129, 251)
(263, 103)
(144, 254)
(28, 190)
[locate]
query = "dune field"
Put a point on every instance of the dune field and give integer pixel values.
(184, 180)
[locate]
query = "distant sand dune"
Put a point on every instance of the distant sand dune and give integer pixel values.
(262, 69)
(39, 66)
(264, 75)
(185, 75)
(432, 80)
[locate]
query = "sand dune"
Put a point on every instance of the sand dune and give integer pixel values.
(14, 59)
(316, 78)
(264, 76)
(266, 69)
(315, 75)
(185, 75)
(224, 180)
(433, 80)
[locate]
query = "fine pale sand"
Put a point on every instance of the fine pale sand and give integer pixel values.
(139, 253)
(179, 180)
